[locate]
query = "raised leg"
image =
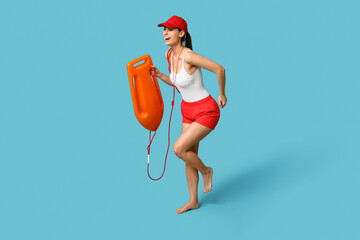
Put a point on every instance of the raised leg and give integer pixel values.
(193, 134)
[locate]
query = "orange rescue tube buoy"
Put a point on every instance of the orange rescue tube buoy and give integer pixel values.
(145, 93)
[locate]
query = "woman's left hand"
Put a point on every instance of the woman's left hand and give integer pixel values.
(222, 100)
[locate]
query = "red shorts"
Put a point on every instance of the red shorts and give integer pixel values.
(205, 111)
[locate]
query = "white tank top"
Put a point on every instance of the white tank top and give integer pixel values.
(191, 87)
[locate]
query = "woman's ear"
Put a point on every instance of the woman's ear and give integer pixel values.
(182, 33)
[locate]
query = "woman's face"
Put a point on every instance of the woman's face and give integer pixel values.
(172, 36)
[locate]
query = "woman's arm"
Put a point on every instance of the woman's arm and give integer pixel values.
(203, 62)
(163, 77)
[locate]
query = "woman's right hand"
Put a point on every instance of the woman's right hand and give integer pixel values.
(157, 72)
(160, 75)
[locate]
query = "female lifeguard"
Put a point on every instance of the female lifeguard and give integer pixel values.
(199, 110)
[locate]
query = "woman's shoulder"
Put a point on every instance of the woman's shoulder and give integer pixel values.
(188, 54)
(187, 49)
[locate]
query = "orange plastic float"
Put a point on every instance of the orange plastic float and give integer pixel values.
(145, 93)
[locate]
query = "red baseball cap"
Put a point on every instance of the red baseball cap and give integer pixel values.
(175, 22)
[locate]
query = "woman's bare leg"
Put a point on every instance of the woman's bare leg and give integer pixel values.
(186, 148)
(192, 177)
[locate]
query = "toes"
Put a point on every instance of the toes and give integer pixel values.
(184, 209)
(179, 210)
(207, 189)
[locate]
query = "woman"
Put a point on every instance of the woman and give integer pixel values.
(200, 111)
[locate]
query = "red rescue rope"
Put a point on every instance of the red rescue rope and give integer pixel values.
(152, 138)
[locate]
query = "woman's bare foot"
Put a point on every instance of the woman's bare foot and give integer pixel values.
(208, 180)
(189, 205)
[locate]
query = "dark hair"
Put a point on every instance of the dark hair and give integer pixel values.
(187, 39)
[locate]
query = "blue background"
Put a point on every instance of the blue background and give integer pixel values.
(285, 153)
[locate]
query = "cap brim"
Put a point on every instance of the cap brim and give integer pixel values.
(169, 25)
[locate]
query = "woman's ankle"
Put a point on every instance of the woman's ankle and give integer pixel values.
(194, 200)
(205, 171)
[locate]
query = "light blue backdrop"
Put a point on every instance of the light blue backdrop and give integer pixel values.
(285, 153)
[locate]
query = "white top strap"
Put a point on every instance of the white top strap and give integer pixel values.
(184, 56)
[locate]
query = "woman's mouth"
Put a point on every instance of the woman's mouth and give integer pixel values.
(167, 38)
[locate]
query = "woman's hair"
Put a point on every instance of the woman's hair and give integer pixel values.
(187, 39)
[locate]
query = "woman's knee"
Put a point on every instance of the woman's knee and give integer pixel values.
(178, 149)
